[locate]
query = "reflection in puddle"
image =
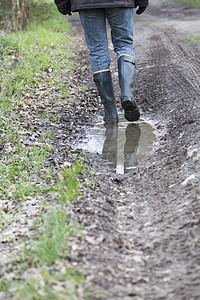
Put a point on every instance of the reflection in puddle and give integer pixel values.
(122, 144)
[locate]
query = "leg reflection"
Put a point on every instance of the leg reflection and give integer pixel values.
(133, 133)
(110, 145)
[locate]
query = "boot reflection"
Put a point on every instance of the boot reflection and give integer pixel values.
(110, 145)
(133, 133)
(120, 148)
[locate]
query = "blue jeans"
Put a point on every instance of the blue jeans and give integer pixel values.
(94, 25)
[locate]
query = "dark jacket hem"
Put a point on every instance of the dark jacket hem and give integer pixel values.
(65, 6)
(99, 6)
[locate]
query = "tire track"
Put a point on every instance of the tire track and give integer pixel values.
(179, 56)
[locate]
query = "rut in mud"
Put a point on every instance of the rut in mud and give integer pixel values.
(141, 237)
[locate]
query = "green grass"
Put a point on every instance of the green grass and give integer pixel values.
(194, 38)
(5, 219)
(2, 219)
(195, 3)
(4, 285)
(25, 60)
(33, 52)
(41, 288)
(53, 240)
(43, 254)
(19, 171)
(46, 250)
(67, 185)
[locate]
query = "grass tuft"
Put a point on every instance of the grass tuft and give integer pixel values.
(54, 238)
(68, 185)
(194, 38)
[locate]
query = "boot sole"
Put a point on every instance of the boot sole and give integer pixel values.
(111, 121)
(131, 111)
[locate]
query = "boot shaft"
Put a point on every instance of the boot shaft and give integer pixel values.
(126, 73)
(103, 81)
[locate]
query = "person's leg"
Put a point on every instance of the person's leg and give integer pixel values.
(121, 23)
(94, 25)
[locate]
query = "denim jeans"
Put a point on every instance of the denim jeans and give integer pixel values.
(94, 25)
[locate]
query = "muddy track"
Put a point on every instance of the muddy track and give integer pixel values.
(141, 237)
(141, 230)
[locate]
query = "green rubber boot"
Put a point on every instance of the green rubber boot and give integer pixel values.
(103, 81)
(126, 72)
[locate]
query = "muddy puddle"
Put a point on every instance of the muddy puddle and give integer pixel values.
(122, 145)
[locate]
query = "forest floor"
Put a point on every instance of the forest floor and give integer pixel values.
(141, 230)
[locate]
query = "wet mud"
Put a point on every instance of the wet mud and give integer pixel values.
(142, 228)
(122, 144)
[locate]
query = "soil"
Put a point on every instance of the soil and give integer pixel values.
(142, 230)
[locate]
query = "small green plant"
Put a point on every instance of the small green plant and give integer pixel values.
(194, 38)
(5, 219)
(67, 184)
(2, 218)
(82, 88)
(4, 285)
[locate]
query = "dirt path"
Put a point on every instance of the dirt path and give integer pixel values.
(141, 230)
(141, 237)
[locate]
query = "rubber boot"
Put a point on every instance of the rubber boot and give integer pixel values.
(103, 81)
(126, 72)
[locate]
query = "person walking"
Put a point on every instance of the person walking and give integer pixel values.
(119, 13)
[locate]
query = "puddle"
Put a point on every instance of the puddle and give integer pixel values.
(122, 145)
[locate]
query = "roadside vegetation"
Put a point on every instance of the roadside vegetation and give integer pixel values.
(31, 65)
(195, 3)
